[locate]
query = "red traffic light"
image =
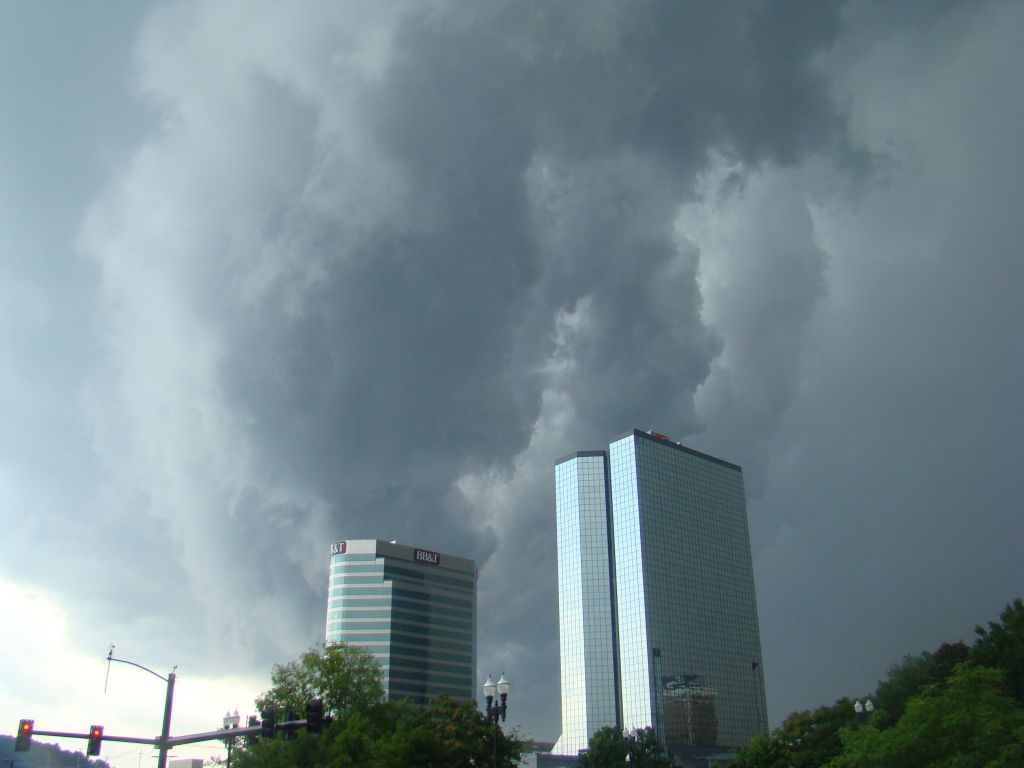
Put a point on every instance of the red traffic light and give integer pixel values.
(24, 738)
(95, 740)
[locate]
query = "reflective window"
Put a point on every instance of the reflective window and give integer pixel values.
(668, 633)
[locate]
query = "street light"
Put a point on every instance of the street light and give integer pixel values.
(165, 732)
(863, 711)
(496, 710)
(230, 723)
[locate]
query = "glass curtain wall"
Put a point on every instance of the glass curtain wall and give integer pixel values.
(587, 642)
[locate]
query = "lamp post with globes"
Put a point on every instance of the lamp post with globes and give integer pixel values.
(496, 709)
(230, 723)
(863, 711)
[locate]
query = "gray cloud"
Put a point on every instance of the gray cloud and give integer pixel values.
(341, 283)
(380, 265)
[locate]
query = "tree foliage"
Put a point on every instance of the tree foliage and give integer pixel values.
(606, 749)
(958, 707)
(445, 734)
(804, 740)
(965, 722)
(611, 748)
(1002, 646)
(469, 738)
(368, 732)
(344, 676)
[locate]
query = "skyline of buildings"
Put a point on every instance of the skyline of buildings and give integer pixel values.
(657, 610)
(414, 609)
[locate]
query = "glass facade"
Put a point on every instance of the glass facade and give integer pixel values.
(413, 609)
(689, 649)
(585, 600)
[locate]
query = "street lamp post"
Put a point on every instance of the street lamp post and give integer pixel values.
(165, 731)
(863, 711)
(230, 723)
(496, 709)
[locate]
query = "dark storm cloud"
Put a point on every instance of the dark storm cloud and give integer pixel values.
(347, 300)
(545, 158)
(889, 489)
(383, 264)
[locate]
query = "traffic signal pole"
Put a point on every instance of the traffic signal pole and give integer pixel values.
(163, 741)
(169, 742)
(106, 737)
(314, 722)
(165, 732)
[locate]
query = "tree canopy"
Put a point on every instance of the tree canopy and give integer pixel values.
(344, 677)
(611, 748)
(368, 732)
(958, 707)
(1002, 645)
(966, 721)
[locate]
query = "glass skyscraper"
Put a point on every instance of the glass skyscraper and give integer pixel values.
(413, 609)
(657, 614)
(590, 695)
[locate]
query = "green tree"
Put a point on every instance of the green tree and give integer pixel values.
(368, 732)
(468, 738)
(344, 676)
(611, 748)
(765, 751)
(981, 725)
(967, 722)
(903, 681)
(644, 750)
(1002, 646)
(911, 676)
(804, 740)
(445, 734)
(606, 749)
(947, 658)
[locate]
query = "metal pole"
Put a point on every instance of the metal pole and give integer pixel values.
(165, 734)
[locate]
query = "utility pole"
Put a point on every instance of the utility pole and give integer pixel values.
(165, 732)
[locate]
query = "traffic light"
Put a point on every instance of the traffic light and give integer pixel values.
(268, 724)
(251, 739)
(24, 738)
(315, 716)
(95, 740)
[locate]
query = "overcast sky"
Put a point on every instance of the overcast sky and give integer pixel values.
(274, 275)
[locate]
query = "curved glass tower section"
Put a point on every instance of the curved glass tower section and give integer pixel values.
(413, 609)
(585, 599)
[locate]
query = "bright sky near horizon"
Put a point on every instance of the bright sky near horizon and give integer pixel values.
(277, 275)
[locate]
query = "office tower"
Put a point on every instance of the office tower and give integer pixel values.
(671, 564)
(413, 609)
(586, 637)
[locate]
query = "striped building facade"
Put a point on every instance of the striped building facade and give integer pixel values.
(413, 609)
